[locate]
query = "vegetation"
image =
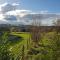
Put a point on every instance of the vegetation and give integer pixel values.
(34, 45)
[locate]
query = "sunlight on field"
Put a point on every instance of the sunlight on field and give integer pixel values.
(16, 48)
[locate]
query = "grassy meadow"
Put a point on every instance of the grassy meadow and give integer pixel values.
(20, 46)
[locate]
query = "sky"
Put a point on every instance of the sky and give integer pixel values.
(24, 11)
(52, 6)
(37, 5)
(42, 5)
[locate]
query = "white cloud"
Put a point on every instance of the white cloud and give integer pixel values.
(8, 7)
(1, 16)
(43, 12)
(21, 13)
(3, 4)
(24, 16)
(15, 4)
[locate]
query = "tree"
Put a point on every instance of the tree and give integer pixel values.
(35, 31)
(57, 22)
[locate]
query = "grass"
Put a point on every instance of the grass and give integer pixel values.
(16, 48)
(47, 40)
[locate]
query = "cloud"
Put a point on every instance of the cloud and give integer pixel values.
(10, 18)
(1, 16)
(43, 12)
(8, 7)
(26, 18)
(15, 4)
(21, 13)
(11, 14)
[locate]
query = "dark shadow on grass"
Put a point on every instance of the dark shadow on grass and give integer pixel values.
(1, 33)
(15, 39)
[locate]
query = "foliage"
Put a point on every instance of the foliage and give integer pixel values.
(47, 49)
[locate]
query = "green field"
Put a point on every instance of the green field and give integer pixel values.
(16, 47)
(21, 47)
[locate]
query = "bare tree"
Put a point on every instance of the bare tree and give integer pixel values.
(35, 31)
(57, 22)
